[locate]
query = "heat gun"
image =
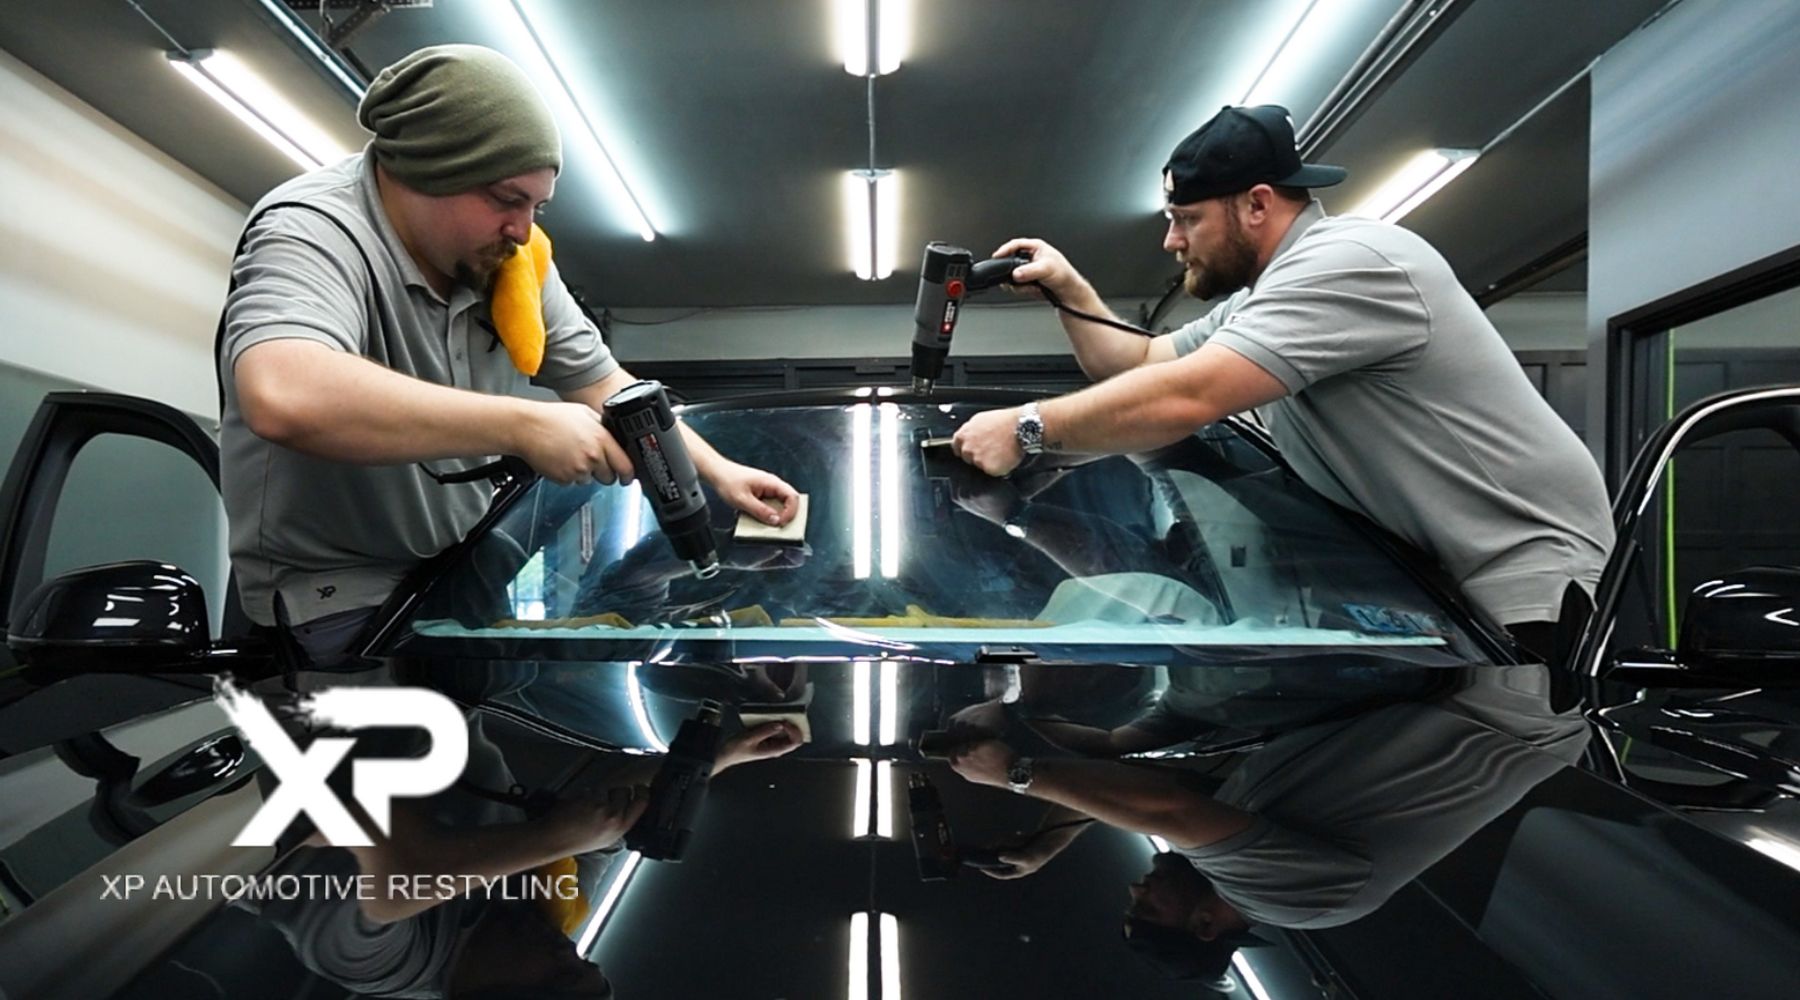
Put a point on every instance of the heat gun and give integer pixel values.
(640, 419)
(679, 788)
(948, 275)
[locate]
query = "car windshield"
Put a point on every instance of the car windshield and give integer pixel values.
(1206, 548)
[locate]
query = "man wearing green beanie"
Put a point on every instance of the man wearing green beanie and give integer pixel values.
(356, 351)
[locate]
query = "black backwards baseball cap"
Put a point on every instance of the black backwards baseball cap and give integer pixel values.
(1238, 149)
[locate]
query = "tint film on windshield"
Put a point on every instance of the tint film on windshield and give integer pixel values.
(1208, 543)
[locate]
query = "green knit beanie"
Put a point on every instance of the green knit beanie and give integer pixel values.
(454, 117)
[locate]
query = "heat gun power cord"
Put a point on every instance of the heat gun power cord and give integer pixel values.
(1090, 317)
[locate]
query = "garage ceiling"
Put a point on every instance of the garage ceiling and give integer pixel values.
(735, 120)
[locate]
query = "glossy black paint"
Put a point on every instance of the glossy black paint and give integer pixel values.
(120, 616)
(1646, 872)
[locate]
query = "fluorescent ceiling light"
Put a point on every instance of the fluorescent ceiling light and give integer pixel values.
(616, 888)
(872, 221)
(1159, 845)
(859, 957)
(859, 702)
(891, 39)
(525, 42)
(861, 935)
(861, 509)
(884, 799)
(329, 59)
(859, 806)
(1301, 35)
(634, 502)
(890, 957)
(222, 77)
(635, 692)
(1422, 176)
(1309, 39)
(1251, 982)
(890, 702)
(890, 492)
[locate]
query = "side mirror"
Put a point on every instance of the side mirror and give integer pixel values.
(1745, 626)
(118, 617)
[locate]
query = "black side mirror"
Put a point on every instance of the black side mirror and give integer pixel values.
(118, 617)
(1746, 626)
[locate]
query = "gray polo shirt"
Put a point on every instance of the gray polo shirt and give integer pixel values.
(331, 536)
(1404, 404)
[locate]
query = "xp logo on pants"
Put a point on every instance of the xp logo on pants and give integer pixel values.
(303, 773)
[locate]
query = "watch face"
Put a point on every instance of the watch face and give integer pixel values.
(1031, 430)
(1019, 774)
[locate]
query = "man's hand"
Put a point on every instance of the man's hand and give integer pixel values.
(985, 720)
(984, 763)
(990, 442)
(1027, 858)
(749, 490)
(763, 742)
(596, 819)
(566, 443)
(1048, 267)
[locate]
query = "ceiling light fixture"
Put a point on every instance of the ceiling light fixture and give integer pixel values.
(225, 79)
(1319, 28)
(333, 64)
(890, 501)
(884, 799)
(634, 690)
(1252, 982)
(860, 702)
(890, 702)
(1421, 177)
(526, 43)
(888, 34)
(872, 221)
(890, 957)
(859, 809)
(859, 957)
(626, 868)
(862, 511)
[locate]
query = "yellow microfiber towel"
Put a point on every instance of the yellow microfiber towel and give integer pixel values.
(917, 617)
(566, 914)
(518, 306)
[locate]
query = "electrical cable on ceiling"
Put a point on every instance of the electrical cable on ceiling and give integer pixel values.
(184, 50)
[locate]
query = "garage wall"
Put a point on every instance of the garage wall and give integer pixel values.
(113, 257)
(112, 269)
(990, 325)
(1692, 160)
(1551, 321)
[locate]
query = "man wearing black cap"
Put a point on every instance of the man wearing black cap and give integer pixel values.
(1382, 382)
(356, 350)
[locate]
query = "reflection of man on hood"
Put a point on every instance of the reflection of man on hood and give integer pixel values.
(1322, 825)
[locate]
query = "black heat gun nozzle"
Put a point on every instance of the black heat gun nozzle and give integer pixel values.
(948, 275)
(640, 419)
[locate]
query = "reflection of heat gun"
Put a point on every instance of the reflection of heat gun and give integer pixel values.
(679, 789)
(948, 275)
(640, 419)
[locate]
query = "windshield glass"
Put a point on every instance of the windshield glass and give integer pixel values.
(1203, 548)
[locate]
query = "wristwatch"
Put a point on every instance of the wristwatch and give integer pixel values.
(1018, 775)
(1030, 429)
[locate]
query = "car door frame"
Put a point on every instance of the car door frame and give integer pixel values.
(1706, 418)
(64, 424)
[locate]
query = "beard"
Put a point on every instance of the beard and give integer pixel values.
(1232, 268)
(479, 270)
